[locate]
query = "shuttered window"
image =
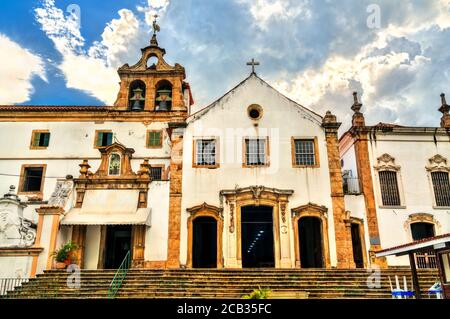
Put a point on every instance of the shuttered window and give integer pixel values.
(103, 139)
(154, 139)
(40, 139)
(389, 188)
(441, 187)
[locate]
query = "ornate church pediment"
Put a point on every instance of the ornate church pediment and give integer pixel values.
(114, 172)
(438, 163)
(194, 211)
(310, 208)
(386, 163)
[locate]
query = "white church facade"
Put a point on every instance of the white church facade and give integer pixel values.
(253, 180)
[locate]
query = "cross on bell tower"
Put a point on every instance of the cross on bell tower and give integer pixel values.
(253, 63)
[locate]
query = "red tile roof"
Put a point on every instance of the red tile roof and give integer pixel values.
(421, 241)
(53, 108)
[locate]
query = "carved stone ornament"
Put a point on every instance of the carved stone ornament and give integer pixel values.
(15, 230)
(231, 217)
(283, 212)
(386, 163)
(438, 163)
(61, 193)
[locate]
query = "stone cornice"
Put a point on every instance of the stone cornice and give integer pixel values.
(20, 251)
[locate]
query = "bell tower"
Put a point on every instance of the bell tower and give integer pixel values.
(152, 84)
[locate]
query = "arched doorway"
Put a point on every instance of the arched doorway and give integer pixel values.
(205, 227)
(204, 243)
(257, 237)
(310, 242)
(357, 245)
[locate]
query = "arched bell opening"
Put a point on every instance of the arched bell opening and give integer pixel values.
(152, 62)
(136, 94)
(163, 100)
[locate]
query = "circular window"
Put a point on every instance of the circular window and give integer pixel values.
(254, 112)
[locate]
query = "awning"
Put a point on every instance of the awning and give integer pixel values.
(431, 243)
(109, 207)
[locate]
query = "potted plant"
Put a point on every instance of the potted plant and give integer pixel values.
(64, 256)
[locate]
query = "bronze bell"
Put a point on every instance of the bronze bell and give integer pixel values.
(138, 100)
(164, 100)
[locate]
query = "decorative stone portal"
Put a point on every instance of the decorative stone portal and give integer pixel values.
(237, 202)
(310, 223)
(203, 243)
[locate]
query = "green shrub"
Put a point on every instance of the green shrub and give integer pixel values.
(260, 293)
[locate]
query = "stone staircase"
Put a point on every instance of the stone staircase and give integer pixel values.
(205, 283)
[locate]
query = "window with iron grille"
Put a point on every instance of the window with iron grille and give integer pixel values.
(40, 139)
(255, 152)
(305, 153)
(156, 173)
(389, 188)
(205, 152)
(441, 187)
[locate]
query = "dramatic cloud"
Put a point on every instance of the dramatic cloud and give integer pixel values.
(17, 73)
(316, 52)
(263, 11)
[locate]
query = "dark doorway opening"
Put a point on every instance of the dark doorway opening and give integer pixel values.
(357, 246)
(118, 243)
(204, 250)
(310, 237)
(422, 230)
(257, 241)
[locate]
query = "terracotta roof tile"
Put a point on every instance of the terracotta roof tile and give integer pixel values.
(415, 243)
(53, 108)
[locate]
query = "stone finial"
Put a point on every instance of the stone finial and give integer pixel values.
(356, 107)
(12, 194)
(358, 117)
(329, 118)
(144, 171)
(84, 169)
(444, 109)
(330, 123)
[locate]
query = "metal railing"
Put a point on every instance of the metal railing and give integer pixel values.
(25, 288)
(10, 284)
(351, 186)
(426, 260)
(120, 275)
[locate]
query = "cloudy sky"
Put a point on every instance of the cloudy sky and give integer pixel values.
(317, 52)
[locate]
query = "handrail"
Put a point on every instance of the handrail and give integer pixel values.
(120, 275)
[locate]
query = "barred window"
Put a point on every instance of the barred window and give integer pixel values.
(205, 152)
(156, 173)
(304, 152)
(255, 152)
(389, 188)
(441, 187)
